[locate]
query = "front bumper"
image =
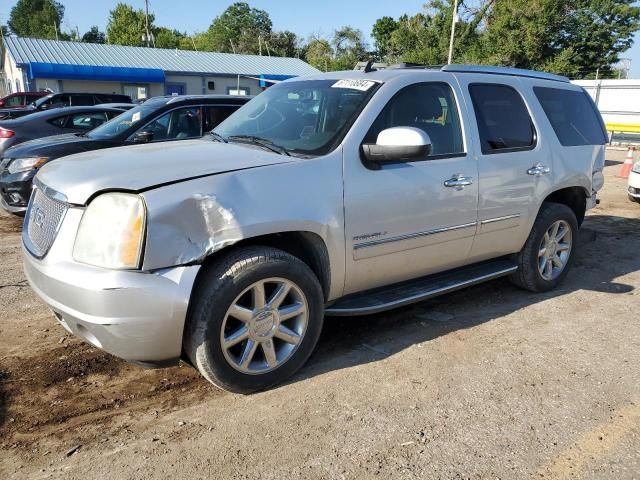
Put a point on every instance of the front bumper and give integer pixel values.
(634, 185)
(15, 190)
(137, 316)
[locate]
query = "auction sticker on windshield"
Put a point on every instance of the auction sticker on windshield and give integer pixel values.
(135, 117)
(362, 85)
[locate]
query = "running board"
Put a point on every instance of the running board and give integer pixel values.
(412, 291)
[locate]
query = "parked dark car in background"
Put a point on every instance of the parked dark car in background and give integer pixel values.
(57, 100)
(20, 99)
(54, 122)
(122, 106)
(159, 119)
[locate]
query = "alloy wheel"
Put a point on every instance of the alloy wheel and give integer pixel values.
(264, 326)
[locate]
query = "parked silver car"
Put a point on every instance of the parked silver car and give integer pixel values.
(343, 193)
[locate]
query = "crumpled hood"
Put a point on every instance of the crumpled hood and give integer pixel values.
(141, 167)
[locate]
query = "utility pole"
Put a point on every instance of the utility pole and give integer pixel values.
(146, 22)
(454, 20)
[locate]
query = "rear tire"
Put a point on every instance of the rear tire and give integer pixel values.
(256, 316)
(548, 253)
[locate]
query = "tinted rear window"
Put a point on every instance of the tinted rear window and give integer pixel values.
(503, 119)
(572, 115)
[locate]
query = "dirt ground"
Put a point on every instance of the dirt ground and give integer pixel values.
(490, 382)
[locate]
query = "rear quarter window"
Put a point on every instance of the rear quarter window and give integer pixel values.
(572, 115)
(59, 122)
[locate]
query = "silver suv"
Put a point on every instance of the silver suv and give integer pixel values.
(344, 193)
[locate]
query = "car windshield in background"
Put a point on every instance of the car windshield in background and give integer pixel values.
(303, 117)
(122, 122)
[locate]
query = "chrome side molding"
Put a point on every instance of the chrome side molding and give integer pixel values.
(409, 236)
(500, 219)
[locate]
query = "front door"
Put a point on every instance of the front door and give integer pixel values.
(402, 220)
(174, 89)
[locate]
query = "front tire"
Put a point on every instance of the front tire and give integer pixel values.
(548, 253)
(634, 199)
(255, 318)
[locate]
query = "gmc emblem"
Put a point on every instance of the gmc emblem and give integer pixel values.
(39, 217)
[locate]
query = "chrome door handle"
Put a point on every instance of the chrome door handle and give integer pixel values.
(538, 170)
(458, 181)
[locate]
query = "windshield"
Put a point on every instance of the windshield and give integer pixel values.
(305, 117)
(122, 122)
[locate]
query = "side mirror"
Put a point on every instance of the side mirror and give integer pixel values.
(143, 137)
(398, 144)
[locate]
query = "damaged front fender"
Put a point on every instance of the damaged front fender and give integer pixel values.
(189, 221)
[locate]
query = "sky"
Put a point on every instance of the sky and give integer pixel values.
(300, 16)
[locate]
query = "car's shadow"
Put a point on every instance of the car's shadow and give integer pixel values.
(608, 248)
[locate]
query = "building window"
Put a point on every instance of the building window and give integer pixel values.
(136, 92)
(238, 91)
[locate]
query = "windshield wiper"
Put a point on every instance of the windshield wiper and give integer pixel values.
(218, 137)
(262, 142)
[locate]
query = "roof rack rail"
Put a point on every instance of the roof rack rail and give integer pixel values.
(414, 65)
(460, 68)
(516, 72)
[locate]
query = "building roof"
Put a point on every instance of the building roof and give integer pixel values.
(33, 50)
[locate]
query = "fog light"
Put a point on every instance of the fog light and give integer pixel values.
(16, 198)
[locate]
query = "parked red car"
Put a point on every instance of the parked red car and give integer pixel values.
(20, 99)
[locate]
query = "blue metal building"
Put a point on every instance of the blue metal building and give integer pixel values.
(35, 64)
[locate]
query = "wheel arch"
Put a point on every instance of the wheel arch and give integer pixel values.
(307, 246)
(573, 197)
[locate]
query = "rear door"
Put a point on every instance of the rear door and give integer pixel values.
(514, 165)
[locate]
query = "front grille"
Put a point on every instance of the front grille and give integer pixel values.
(43, 220)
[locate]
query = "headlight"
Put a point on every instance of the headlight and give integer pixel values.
(26, 164)
(636, 167)
(111, 232)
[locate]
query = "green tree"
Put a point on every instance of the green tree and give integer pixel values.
(284, 44)
(94, 35)
(127, 26)
(424, 38)
(573, 38)
(349, 48)
(523, 34)
(37, 18)
(167, 38)
(320, 54)
(240, 29)
(597, 31)
(382, 31)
